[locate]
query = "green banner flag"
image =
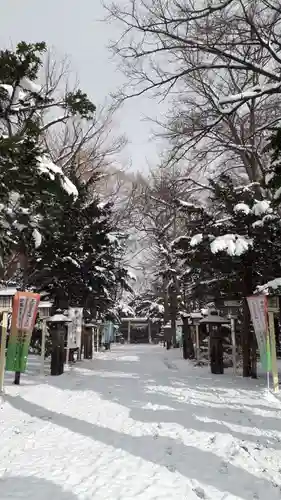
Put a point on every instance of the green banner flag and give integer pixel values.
(25, 305)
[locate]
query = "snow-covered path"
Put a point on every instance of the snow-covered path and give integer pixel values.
(139, 423)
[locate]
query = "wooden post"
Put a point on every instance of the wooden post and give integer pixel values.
(197, 342)
(43, 344)
(67, 351)
(83, 340)
(233, 341)
(129, 332)
(3, 350)
(90, 344)
(149, 332)
(98, 338)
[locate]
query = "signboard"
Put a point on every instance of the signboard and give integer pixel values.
(25, 306)
(273, 304)
(258, 310)
(74, 332)
(232, 303)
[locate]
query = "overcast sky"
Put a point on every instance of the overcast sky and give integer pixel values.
(73, 28)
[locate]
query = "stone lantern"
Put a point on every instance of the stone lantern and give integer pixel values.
(214, 323)
(58, 329)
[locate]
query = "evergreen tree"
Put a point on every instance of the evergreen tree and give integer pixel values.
(80, 260)
(28, 179)
(148, 304)
(237, 248)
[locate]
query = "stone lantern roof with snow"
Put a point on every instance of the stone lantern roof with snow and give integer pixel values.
(58, 318)
(213, 318)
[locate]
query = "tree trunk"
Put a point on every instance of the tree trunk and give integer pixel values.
(173, 315)
(166, 301)
(247, 332)
(174, 330)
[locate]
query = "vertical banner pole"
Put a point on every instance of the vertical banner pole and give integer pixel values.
(268, 380)
(258, 310)
(271, 329)
(3, 350)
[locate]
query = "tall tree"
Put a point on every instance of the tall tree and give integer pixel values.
(236, 249)
(80, 259)
(28, 179)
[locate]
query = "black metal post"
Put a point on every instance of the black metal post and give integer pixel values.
(17, 378)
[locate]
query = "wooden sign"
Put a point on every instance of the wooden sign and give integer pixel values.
(232, 303)
(273, 304)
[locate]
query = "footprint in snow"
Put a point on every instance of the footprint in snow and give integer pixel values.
(171, 468)
(200, 493)
(244, 448)
(212, 439)
(224, 468)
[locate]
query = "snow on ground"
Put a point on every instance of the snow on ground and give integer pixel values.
(139, 423)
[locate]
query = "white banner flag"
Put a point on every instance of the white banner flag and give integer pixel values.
(75, 327)
(258, 310)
